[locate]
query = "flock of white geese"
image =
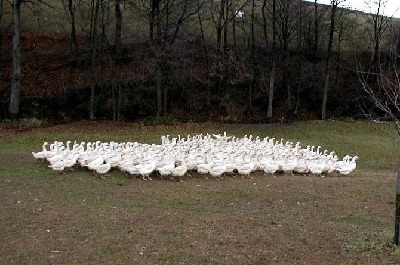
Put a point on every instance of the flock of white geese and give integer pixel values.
(214, 154)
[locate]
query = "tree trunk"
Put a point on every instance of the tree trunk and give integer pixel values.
(114, 105)
(289, 93)
(339, 45)
(300, 55)
(273, 70)
(165, 99)
(92, 88)
(159, 92)
(299, 26)
(119, 101)
(316, 29)
(325, 94)
(271, 90)
(73, 41)
(118, 30)
(396, 238)
(208, 99)
(328, 58)
(153, 15)
(234, 33)
(93, 54)
(16, 74)
(226, 21)
(296, 109)
(219, 26)
(253, 59)
(1, 19)
(377, 39)
(264, 15)
(381, 24)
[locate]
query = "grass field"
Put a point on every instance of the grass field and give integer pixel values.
(77, 218)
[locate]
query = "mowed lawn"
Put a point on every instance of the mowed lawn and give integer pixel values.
(77, 218)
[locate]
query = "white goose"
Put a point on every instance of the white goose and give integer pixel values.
(289, 164)
(95, 163)
(102, 168)
(316, 166)
(58, 165)
(166, 167)
(41, 154)
(270, 166)
(347, 168)
(301, 167)
(342, 162)
(246, 167)
(180, 170)
(133, 169)
(147, 168)
(70, 160)
(218, 169)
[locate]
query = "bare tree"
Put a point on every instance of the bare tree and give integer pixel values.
(16, 54)
(286, 16)
(384, 95)
(165, 18)
(252, 55)
(273, 66)
(334, 7)
(117, 57)
(14, 106)
(70, 9)
(380, 24)
(93, 40)
(1, 20)
(300, 52)
(118, 29)
(381, 90)
(314, 21)
(316, 27)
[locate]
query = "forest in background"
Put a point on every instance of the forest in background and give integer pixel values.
(195, 60)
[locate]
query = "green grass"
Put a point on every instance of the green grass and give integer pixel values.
(77, 218)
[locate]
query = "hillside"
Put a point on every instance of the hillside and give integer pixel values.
(197, 82)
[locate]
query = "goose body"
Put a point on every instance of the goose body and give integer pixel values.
(289, 165)
(70, 161)
(95, 163)
(146, 169)
(58, 165)
(245, 169)
(341, 163)
(316, 167)
(271, 167)
(133, 169)
(179, 171)
(218, 170)
(55, 158)
(102, 168)
(166, 169)
(347, 168)
(301, 167)
(203, 168)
